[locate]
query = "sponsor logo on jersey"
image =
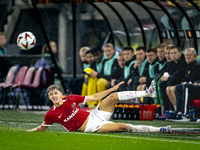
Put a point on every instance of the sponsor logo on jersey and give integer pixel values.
(73, 104)
(59, 116)
(72, 115)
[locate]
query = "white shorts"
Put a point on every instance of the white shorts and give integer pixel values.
(97, 118)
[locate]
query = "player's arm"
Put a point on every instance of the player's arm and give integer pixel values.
(40, 128)
(102, 94)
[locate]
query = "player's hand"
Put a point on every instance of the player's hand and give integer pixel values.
(116, 87)
(136, 64)
(166, 78)
(142, 80)
(32, 130)
(113, 82)
(93, 74)
(129, 81)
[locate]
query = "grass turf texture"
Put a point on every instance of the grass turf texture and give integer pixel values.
(13, 135)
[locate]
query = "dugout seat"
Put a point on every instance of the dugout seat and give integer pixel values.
(31, 88)
(18, 80)
(27, 80)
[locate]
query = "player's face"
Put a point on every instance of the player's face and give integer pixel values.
(53, 47)
(189, 56)
(167, 55)
(82, 55)
(175, 54)
(109, 52)
(98, 56)
(151, 56)
(55, 96)
(2, 41)
(121, 61)
(161, 53)
(128, 55)
(140, 55)
(90, 58)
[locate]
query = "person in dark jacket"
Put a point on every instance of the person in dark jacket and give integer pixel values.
(149, 73)
(139, 66)
(99, 57)
(192, 76)
(118, 74)
(129, 57)
(172, 78)
(159, 76)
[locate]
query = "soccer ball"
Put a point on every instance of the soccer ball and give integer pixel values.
(26, 40)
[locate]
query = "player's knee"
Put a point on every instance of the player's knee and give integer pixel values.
(123, 127)
(113, 96)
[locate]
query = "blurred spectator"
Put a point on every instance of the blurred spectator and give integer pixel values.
(192, 76)
(118, 75)
(3, 40)
(171, 78)
(139, 66)
(99, 57)
(149, 73)
(90, 83)
(109, 66)
(76, 85)
(162, 63)
(159, 76)
(129, 57)
(82, 52)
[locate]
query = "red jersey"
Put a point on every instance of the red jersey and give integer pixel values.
(69, 114)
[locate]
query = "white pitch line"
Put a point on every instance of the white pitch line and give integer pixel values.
(141, 138)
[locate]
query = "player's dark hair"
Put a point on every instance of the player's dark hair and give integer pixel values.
(178, 48)
(127, 48)
(95, 50)
(88, 52)
(152, 50)
(141, 47)
(53, 87)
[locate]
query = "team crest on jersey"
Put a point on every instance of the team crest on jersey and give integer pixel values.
(73, 104)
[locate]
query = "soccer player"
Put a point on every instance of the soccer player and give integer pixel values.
(71, 117)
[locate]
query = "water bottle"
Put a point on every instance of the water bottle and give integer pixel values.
(137, 112)
(121, 109)
(190, 113)
(131, 112)
(193, 113)
(116, 111)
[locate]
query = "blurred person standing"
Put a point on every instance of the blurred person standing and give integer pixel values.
(3, 39)
(118, 74)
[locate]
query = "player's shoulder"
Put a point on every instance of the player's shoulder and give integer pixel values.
(72, 96)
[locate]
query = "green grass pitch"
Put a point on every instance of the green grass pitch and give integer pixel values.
(13, 136)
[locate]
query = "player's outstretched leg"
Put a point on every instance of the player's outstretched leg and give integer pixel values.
(121, 127)
(108, 104)
(149, 129)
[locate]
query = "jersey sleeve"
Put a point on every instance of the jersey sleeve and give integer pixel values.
(48, 121)
(78, 98)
